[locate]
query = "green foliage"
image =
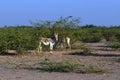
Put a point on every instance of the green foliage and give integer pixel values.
(91, 35)
(64, 66)
(18, 38)
(85, 48)
(109, 35)
(69, 66)
(23, 38)
(115, 45)
(93, 38)
(93, 69)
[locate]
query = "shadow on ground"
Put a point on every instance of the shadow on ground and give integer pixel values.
(8, 54)
(95, 54)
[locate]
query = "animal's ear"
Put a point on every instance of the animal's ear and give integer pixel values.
(39, 38)
(56, 33)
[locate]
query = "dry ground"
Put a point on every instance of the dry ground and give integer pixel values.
(14, 67)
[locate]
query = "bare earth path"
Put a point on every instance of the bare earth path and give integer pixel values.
(13, 67)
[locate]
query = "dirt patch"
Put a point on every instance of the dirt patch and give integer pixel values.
(13, 67)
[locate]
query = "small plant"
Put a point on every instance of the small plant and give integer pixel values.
(64, 66)
(85, 48)
(69, 66)
(94, 69)
(21, 51)
(115, 45)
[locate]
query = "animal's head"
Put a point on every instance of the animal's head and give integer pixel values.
(56, 36)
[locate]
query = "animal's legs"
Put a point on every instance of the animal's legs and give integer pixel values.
(39, 48)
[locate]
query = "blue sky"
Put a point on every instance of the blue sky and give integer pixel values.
(97, 12)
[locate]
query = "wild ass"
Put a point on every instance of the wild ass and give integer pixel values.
(65, 42)
(48, 42)
(68, 42)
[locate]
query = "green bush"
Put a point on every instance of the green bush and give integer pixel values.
(86, 49)
(115, 45)
(27, 38)
(64, 66)
(17, 38)
(69, 66)
(92, 38)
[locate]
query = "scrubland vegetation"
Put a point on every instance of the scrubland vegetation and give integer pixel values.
(23, 38)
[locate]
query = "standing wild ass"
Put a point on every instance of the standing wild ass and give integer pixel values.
(48, 42)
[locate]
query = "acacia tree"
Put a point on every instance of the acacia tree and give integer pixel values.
(64, 26)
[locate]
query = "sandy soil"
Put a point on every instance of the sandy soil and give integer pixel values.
(13, 67)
